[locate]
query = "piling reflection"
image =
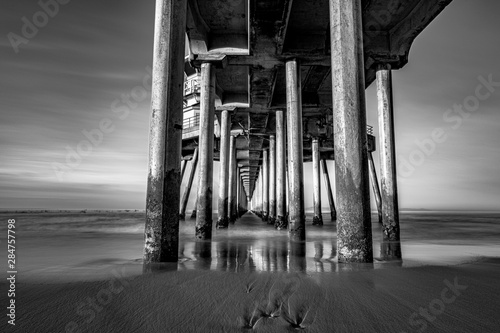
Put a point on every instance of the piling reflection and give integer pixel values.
(354, 267)
(251, 247)
(202, 254)
(159, 267)
(318, 255)
(273, 255)
(297, 257)
(391, 252)
(282, 257)
(233, 254)
(221, 256)
(333, 253)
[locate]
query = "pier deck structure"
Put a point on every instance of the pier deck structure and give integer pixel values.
(264, 86)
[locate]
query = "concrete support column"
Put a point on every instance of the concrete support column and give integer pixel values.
(195, 209)
(185, 197)
(253, 199)
(281, 221)
(257, 201)
(333, 211)
(255, 196)
(388, 178)
(297, 216)
(234, 209)
(206, 151)
(241, 196)
(287, 193)
(244, 198)
(183, 169)
(261, 191)
(272, 179)
(317, 218)
(232, 179)
(244, 202)
(375, 187)
(161, 233)
(265, 185)
(235, 190)
(250, 201)
(354, 238)
(238, 191)
(225, 132)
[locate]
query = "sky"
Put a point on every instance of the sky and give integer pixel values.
(85, 71)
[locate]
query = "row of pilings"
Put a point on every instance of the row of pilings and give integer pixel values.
(354, 239)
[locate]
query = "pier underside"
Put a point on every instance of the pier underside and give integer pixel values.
(259, 36)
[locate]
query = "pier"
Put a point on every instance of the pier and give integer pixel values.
(262, 87)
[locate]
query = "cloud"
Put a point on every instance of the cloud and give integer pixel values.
(66, 78)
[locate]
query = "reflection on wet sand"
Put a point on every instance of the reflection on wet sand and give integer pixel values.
(159, 267)
(254, 247)
(391, 251)
(318, 254)
(266, 256)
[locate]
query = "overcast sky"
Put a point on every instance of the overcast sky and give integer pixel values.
(76, 74)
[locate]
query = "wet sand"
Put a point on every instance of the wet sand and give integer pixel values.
(357, 299)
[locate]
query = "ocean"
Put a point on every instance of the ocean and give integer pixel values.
(69, 246)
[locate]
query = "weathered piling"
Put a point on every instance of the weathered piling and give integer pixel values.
(265, 185)
(225, 132)
(281, 221)
(183, 169)
(187, 192)
(333, 211)
(206, 151)
(296, 218)
(375, 187)
(272, 180)
(317, 217)
(388, 175)
(354, 238)
(232, 180)
(161, 234)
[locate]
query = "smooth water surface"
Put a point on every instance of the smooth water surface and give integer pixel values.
(68, 246)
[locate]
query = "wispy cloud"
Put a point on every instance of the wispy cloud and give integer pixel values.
(64, 81)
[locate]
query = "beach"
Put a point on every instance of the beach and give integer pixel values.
(122, 118)
(83, 273)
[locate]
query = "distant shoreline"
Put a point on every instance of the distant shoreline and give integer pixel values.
(308, 211)
(83, 211)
